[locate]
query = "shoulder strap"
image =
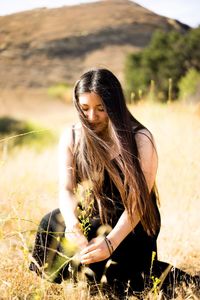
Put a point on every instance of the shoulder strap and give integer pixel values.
(73, 135)
(137, 128)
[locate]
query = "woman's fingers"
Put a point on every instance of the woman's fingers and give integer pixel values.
(90, 257)
(92, 246)
(77, 238)
(95, 252)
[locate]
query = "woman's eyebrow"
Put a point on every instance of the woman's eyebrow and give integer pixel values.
(84, 104)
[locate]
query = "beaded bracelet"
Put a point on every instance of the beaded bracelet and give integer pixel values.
(109, 245)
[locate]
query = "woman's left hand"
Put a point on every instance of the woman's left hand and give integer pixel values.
(96, 251)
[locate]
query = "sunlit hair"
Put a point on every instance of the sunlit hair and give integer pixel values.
(92, 152)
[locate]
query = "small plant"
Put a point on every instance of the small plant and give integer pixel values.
(155, 281)
(85, 196)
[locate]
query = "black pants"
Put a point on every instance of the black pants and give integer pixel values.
(132, 260)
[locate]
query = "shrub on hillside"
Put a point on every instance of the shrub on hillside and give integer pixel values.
(189, 86)
(60, 91)
(169, 56)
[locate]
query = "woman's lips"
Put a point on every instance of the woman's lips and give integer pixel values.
(94, 126)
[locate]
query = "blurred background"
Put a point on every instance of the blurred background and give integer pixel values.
(43, 50)
(153, 48)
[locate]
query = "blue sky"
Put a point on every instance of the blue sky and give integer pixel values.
(186, 11)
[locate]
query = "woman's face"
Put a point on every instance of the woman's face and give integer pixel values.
(92, 108)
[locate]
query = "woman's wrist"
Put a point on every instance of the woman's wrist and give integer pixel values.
(109, 245)
(121, 229)
(73, 227)
(72, 223)
(112, 243)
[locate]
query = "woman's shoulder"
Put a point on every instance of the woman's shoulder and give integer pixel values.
(70, 135)
(145, 140)
(143, 134)
(147, 155)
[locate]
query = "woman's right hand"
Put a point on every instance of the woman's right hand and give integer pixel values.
(75, 236)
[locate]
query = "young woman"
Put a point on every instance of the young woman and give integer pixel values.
(108, 201)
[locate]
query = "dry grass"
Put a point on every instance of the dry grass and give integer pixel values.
(176, 130)
(28, 185)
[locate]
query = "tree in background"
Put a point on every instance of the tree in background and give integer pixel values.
(167, 58)
(189, 86)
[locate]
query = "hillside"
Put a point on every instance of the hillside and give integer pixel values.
(41, 47)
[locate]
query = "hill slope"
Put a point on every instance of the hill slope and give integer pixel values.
(41, 47)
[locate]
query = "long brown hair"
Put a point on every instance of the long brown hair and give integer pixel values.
(93, 150)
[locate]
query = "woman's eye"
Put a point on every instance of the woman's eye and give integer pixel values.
(98, 109)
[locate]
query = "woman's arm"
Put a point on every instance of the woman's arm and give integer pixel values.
(149, 162)
(98, 249)
(147, 155)
(67, 200)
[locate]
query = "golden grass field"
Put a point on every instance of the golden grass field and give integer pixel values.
(28, 190)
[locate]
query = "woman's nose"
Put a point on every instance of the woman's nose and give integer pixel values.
(92, 116)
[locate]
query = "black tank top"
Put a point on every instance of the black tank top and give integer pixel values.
(111, 194)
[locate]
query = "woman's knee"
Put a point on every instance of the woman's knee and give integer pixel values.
(51, 219)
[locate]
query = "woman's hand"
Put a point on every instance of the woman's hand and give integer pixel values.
(75, 236)
(96, 251)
